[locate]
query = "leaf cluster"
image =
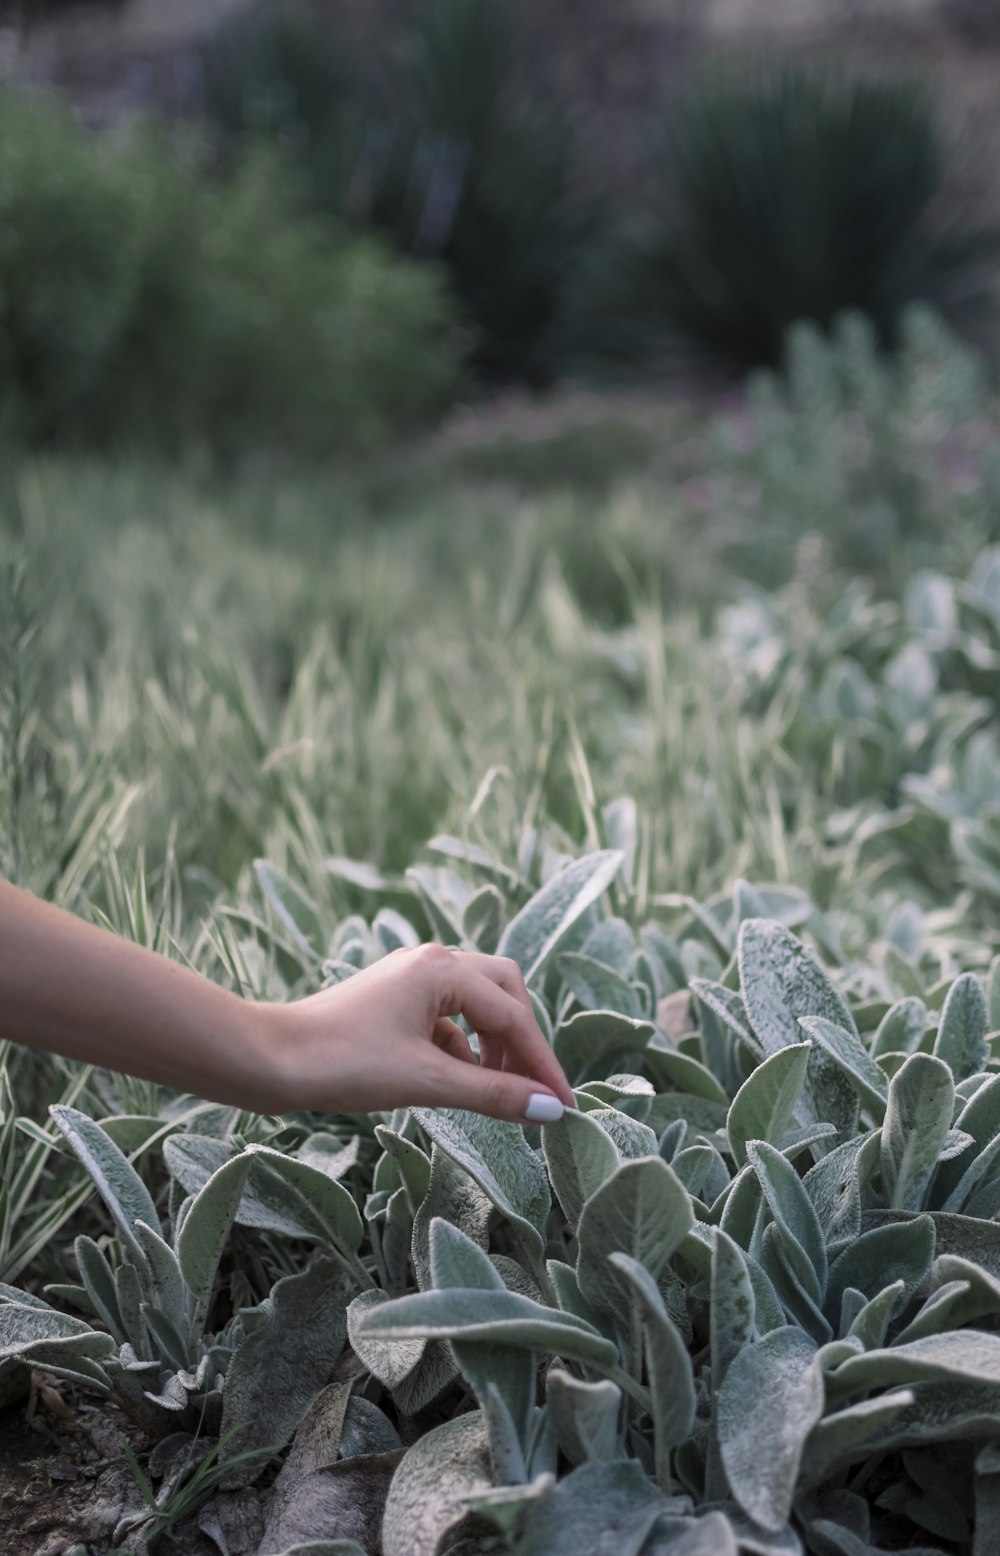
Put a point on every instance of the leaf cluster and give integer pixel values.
(743, 1298)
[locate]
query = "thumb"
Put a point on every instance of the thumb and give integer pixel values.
(497, 1093)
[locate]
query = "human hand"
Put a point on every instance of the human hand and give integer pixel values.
(384, 1038)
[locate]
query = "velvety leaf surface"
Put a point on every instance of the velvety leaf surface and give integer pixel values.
(455, 1197)
(313, 1497)
(770, 1401)
(780, 982)
(764, 1106)
(901, 1028)
(536, 931)
(389, 1360)
(596, 986)
(429, 1489)
(732, 1305)
(801, 1235)
(206, 1230)
(606, 1509)
(728, 1005)
(965, 1021)
(498, 1316)
(632, 1138)
(712, 1535)
(497, 1157)
(964, 1236)
(844, 1434)
(115, 1179)
(963, 1354)
(848, 1051)
(457, 1264)
(580, 1156)
(596, 1039)
(917, 1120)
(277, 1371)
(584, 1416)
(643, 1211)
(882, 1256)
(668, 1366)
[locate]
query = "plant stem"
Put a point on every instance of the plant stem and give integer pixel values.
(629, 1386)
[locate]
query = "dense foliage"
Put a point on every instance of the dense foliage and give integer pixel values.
(729, 804)
(886, 456)
(144, 304)
(761, 1254)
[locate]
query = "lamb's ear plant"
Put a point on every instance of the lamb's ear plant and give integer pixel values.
(148, 1339)
(807, 1212)
(756, 1264)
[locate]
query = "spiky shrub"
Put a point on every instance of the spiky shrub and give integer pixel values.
(269, 72)
(446, 141)
(781, 195)
(479, 171)
(742, 1300)
(273, 75)
(977, 21)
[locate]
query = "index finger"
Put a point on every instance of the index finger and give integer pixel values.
(500, 1014)
(502, 970)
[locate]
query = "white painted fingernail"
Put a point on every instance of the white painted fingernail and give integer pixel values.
(543, 1109)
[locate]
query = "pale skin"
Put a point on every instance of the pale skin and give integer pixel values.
(385, 1038)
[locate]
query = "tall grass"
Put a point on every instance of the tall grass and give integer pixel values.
(208, 693)
(210, 670)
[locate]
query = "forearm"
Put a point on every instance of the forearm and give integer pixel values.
(68, 987)
(385, 1038)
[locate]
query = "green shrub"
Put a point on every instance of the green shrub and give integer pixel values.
(789, 195)
(263, 324)
(70, 255)
(143, 302)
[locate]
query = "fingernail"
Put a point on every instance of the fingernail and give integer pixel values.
(543, 1109)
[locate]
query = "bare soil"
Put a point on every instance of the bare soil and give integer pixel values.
(65, 1481)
